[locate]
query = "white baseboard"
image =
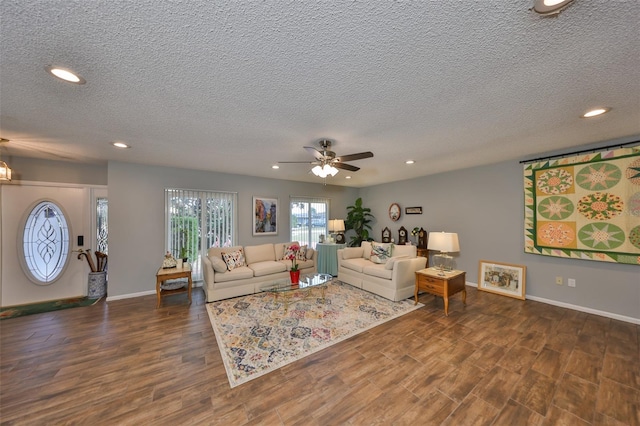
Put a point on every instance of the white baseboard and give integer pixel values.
(142, 293)
(130, 295)
(577, 308)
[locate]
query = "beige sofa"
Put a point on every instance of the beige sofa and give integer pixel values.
(394, 280)
(264, 265)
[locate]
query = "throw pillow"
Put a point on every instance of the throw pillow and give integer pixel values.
(366, 246)
(380, 252)
(352, 252)
(392, 261)
(302, 253)
(218, 264)
(235, 259)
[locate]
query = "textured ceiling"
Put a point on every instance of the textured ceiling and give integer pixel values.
(238, 86)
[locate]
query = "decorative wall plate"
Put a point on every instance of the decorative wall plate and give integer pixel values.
(394, 212)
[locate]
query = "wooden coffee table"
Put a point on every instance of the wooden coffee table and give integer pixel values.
(172, 274)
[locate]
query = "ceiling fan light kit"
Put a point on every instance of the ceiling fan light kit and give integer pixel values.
(327, 163)
(324, 171)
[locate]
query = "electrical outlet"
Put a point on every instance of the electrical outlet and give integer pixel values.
(571, 282)
(559, 280)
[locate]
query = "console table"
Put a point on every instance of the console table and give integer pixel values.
(445, 285)
(172, 274)
(328, 258)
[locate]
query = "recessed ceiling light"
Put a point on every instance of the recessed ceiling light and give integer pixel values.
(550, 7)
(275, 166)
(120, 145)
(595, 112)
(347, 177)
(65, 74)
(409, 162)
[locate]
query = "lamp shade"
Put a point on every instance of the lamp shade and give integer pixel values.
(336, 225)
(446, 242)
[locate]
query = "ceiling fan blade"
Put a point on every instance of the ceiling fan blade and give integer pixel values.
(317, 154)
(345, 166)
(301, 162)
(352, 157)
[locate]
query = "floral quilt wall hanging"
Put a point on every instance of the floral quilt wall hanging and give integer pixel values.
(585, 206)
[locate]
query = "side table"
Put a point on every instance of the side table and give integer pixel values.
(446, 285)
(172, 274)
(328, 258)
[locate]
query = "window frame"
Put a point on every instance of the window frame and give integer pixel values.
(200, 248)
(310, 220)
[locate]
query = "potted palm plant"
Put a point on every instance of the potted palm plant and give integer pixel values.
(358, 219)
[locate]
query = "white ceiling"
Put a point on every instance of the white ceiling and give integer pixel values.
(237, 86)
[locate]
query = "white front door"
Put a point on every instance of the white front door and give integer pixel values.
(17, 200)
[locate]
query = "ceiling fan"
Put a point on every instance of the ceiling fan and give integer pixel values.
(327, 163)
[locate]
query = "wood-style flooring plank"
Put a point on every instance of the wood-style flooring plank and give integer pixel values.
(496, 361)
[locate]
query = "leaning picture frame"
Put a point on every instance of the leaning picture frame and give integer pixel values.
(265, 215)
(502, 278)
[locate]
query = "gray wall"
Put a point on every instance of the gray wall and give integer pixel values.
(484, 205)
(38, 170)
(136, 214)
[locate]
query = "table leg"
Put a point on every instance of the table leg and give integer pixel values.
(189, 288)
(415, 296)
(464, 296)
(446, 305)
(158, 283)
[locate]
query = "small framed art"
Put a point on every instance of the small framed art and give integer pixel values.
(413, 210)
(265, 214)
(502, 278)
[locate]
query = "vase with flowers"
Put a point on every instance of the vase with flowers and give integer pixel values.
(292, 255)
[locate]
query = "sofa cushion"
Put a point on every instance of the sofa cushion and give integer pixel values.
(392, 261)
(406, 250)
(217, 251)
(352, 252)
(380, 252)
(267, 267)
(261, 253)
(302, 253)
(279, 249)
(302, 264)
(310, 253)
(366, 249)
(218, 264)
(357, 264)
(378, 270)
(240, 273)
(234, 259)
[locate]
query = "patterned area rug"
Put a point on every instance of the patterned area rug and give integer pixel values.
(256, 336)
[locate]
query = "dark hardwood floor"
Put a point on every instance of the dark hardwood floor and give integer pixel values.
(497, 361)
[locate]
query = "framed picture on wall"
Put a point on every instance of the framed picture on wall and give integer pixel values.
(265, 214)
(502, 278)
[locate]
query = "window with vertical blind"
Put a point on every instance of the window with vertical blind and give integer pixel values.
(309, 217)
(197, 220)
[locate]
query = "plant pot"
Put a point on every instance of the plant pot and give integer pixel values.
(295, 277)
